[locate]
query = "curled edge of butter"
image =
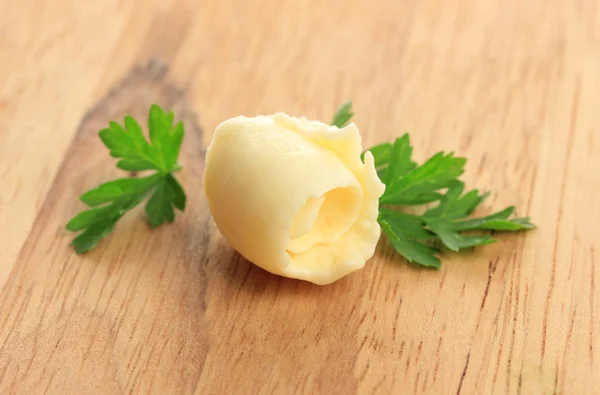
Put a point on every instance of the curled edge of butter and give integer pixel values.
(292, 195)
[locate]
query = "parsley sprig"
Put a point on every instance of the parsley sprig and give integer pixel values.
(111, 200)
(343, 115)
(436, 180)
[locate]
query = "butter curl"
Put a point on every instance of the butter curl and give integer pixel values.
(293, 196)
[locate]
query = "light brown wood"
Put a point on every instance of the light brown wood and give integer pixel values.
(513, 86)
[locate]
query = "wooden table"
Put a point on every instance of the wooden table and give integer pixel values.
(512, 85)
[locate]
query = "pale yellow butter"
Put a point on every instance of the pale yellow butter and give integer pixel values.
(293, 196)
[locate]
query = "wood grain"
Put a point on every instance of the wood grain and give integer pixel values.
(511, 85)
(56, 302)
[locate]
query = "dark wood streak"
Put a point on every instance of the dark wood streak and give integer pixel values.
(464, 373)
(437, 358)
(502, 333)
(555, 392)
(99, 293)
(516, 271)
(491, 269)
(415, 391)
(592, 307)
(424, 387)
(565, 351)
(419, 351)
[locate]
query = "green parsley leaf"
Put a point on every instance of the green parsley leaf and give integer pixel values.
(111, 200)
(137, 154)
(406, 232)
(402, 164)
(408, 184)
(120, 188)
(409, 224)
(129, 143)
(452, 239)
(497, 221)
(454, 206)
(403, 232)
(179, 198)
(89, 238)
(442, 219)
(160, 205)
(382, 154)
(436, 180)
(343, 115)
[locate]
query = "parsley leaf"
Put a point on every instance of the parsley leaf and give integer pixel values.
(436, 180)
(445, 222)
(120, 188)
(442, 219)
(160, 205)
(409, 184)
(382, 154)
(411, 249)
(137, 154)
(111, 200)
(343, 115)
(497, 221)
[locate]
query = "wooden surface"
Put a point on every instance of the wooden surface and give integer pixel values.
(512, 85)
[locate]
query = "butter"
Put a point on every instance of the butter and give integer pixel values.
(293, 196)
